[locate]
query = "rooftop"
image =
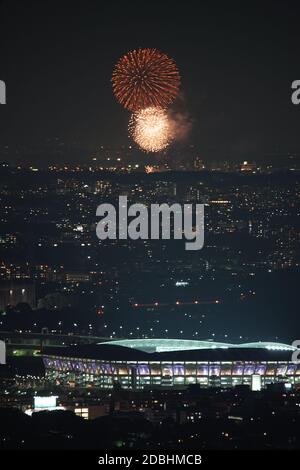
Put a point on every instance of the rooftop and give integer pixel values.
(175, 350)
(167, 345)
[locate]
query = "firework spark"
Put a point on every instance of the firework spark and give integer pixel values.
(144, 78)
(149, 169)
(151, 129)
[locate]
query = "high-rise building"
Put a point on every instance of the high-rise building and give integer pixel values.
(15, 292)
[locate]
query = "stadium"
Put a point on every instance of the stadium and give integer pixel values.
(171, 363)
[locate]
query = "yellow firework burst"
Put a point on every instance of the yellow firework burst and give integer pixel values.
(151, 129)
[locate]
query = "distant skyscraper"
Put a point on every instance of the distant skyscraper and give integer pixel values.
(248, 166)
(15, 292)
(198, 164)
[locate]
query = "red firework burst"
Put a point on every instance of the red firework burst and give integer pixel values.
(145, 77)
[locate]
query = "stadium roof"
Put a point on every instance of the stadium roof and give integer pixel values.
(167, 345)
(175, 350)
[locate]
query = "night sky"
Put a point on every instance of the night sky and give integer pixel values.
(237, 62)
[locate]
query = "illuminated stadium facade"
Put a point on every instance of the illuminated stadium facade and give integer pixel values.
(165, 363)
